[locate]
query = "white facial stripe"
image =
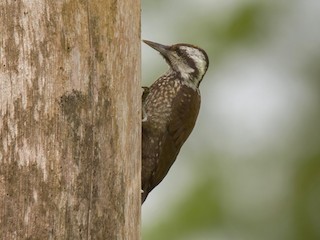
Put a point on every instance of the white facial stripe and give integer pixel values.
(184, 69)
(198, 57)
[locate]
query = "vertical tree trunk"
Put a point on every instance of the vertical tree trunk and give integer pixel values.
(70, 119)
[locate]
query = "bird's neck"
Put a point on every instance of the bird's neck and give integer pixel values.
(186, 78)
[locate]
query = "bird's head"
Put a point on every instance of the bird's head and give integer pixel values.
(188, 61)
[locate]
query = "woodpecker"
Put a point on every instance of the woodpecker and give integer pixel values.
(170, 107)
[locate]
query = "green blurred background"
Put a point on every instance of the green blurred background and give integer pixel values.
(251, 167)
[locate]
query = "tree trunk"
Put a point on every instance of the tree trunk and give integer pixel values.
(70, 119)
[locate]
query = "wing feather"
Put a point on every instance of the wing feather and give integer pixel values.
(180, 126)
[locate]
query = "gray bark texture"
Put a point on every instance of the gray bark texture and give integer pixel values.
(70, 119)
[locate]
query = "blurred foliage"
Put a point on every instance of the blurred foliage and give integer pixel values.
(248, 24)
(187, 219)
(307, 199)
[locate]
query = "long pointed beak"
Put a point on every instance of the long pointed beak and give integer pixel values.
(163, 49)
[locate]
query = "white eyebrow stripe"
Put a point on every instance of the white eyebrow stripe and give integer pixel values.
(195, 53)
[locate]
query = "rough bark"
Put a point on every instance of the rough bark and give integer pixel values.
(70, 119)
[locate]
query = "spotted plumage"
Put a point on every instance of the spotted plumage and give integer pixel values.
(170, 108)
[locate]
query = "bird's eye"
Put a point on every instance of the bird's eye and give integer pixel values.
(181, 52)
